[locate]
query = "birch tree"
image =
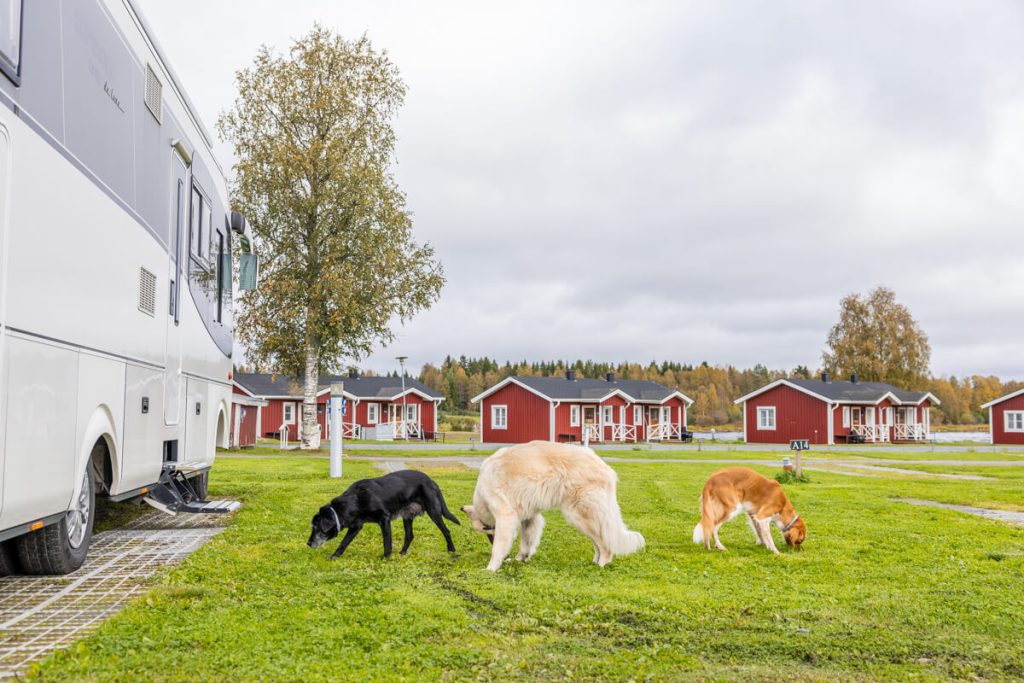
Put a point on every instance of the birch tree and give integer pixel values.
(878, 339)
(312, 132)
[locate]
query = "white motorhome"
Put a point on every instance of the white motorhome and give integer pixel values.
(115, 279)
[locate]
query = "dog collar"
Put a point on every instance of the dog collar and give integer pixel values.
(335, 514)
(791, 523)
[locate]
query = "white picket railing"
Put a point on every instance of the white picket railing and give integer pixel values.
(663, 431)
(621, 432)
(350, 431)
(872, 432)
(403, 427)
(910, 432)
(591, 433)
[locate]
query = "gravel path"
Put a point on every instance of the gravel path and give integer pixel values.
(988, 513)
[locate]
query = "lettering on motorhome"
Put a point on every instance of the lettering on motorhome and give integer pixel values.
(113, 97)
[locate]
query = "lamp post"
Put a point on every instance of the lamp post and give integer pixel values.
(405, 428)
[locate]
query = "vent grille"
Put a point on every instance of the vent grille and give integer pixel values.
(147, 292)
(154, 92)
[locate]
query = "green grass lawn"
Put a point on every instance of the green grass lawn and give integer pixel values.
(881, 591)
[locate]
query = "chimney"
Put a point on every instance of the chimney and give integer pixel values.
(853, 378)
(610, 377)
(570, 375)
(353, 373)
(824, 377)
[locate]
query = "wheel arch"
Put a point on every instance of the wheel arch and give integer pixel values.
(99, 429)
(222, 434)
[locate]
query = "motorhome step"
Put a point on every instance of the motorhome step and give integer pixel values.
(212, 506)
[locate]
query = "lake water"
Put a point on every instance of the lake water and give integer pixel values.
(940, 437)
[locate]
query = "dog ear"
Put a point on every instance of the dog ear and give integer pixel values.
(324, 520)
(468, 509)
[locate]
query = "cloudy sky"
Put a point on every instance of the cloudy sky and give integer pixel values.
(685, 180)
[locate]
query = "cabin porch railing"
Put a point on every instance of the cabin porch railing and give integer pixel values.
(622, 432)
(663, 431)
(403, 427)
(910, 432)
(350, 431)
(874, 433)
(591, 433)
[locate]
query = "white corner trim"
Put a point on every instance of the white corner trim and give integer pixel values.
(505, 382)
(778, 383)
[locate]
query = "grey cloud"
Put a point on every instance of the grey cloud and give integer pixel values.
(696, 181)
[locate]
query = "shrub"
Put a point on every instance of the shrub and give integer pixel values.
(785, 477)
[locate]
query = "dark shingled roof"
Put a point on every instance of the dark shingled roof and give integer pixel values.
(585, 389)
(863, 392)
(359, 387)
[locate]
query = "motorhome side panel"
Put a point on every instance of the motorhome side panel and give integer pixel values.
(39, 435)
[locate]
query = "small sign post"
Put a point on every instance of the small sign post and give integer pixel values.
(337, 410)
(799, 446)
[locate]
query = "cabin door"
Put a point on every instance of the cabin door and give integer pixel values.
(172, 357)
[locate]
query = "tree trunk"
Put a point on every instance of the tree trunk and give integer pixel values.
(310, 428)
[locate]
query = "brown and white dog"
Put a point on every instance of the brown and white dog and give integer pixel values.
(739, 489)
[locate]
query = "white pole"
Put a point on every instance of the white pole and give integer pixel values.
(337, 396)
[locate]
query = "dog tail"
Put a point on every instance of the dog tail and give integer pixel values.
(448, 514)
(698, 531)
(621, 540)
(445, 511)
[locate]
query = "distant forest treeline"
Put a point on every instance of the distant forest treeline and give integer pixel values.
(713, 388)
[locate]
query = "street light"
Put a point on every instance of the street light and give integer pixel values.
(405, 428)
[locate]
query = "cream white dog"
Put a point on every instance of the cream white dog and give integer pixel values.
(518, 483)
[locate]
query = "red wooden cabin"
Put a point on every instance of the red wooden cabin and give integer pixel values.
(520, 409)
(246, 411)
(826, 411)
(1006, 419)
(374, 406)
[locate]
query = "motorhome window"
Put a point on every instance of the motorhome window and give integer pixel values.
(10, 38)
(195, 236)
(206, 230)
(221, 273)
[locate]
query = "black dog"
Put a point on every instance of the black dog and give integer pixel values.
(404, 494)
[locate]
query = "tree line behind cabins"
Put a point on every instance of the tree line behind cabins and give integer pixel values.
(713, 388)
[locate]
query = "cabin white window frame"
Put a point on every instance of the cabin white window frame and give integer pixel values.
(1013, 421)
(412, 412)
(288, 412)
(608, 415)
(763, 412)
(638, 415)
(372, 413)
(499, 417)
(10, 44)
(846, 417)
(574, 416)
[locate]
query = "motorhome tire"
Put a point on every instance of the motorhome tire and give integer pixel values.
(61, 547)
(8, 558)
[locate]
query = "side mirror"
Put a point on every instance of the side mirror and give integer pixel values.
(248, 271)
(237, 222)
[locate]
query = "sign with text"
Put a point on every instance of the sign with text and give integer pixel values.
(799, 445)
